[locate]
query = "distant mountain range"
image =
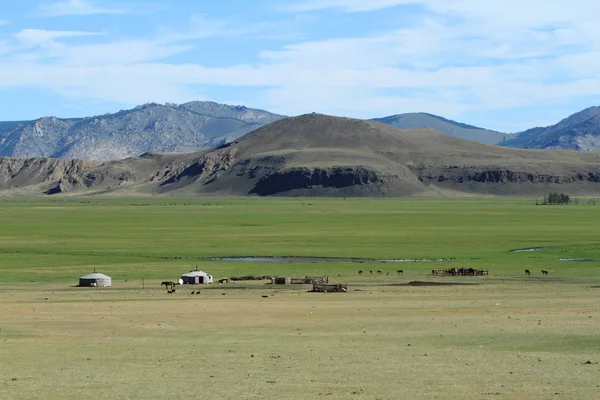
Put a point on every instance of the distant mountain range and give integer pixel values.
(318, 155)
(203, 125)
(452, 128)
(580, 131)
(149, 127)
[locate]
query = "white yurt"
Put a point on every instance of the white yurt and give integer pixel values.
(196, 278)
(95, 279)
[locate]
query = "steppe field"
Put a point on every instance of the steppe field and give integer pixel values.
(501, 336)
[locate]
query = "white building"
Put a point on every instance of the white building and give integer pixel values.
(196, 278)
(95, 280)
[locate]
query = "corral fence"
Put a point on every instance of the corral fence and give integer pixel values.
(459, 272)
(299, 280)
(325, 288)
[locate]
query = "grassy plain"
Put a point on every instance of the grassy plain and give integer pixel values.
(505, 337)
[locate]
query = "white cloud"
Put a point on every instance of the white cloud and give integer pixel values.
(4, 22)
(76, 7)
(466, 55)
(34, 37)
(347, 5)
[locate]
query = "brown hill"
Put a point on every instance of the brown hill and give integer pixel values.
(319, 155)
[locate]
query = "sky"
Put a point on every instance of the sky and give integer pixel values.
(505, 65)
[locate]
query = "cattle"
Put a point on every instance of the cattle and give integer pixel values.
(360, 272)
(527, 272)
(544, 272)
(379, 271)
(400, 272)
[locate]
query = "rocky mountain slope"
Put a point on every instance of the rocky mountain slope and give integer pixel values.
(319, 155)
(580, 131)
(452, 128)
(150, 127)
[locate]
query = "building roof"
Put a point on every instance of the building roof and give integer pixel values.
(95, 275)
(195, 273)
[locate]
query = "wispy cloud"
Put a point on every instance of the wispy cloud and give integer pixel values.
(76, 7)
(4, 22)
(346, 5)
(34, 37)
(455, 57)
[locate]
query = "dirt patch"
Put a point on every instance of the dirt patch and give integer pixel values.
(424, 283)
(577, 259)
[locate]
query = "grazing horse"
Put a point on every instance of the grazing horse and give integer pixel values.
(170, 284)
(527, 272)
(379, 271)
(544, 272)
(360, 272)
(371, 272)
(400, 271)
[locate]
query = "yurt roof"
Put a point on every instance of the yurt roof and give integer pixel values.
(195, 273)
(95, 275)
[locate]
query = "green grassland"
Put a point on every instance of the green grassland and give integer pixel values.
(507, 336)
(57, 240)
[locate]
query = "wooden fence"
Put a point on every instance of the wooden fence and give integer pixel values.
(299, 280)
(459, 272)
(320, 287)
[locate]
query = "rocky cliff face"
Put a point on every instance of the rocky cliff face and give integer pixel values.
(306, 179)
(35, 171)
(458, 175)
(151, 127)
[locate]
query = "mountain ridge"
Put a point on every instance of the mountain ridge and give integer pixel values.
(579, 131)
(200, 125)
(147, 127)
(320, 155)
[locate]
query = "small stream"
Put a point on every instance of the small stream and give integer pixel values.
(528, 250)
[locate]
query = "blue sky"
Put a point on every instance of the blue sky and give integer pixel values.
(502, 64)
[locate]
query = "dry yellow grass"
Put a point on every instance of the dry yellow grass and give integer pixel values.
(515, 340)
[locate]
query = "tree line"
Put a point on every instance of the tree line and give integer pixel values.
(560, 199)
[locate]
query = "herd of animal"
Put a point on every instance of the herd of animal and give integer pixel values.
(544, 272)
(171, 285)
(400, 272)
(380, 272)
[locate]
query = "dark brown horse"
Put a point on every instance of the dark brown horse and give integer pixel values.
(169, 284)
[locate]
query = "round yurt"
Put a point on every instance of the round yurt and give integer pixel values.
(95, 280)
(196, 278)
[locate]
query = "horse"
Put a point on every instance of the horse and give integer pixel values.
(400, 271)
(360, 272)
(170, 284)
(379, 271)
(544, 272)
(527, 272)
(371, 272)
